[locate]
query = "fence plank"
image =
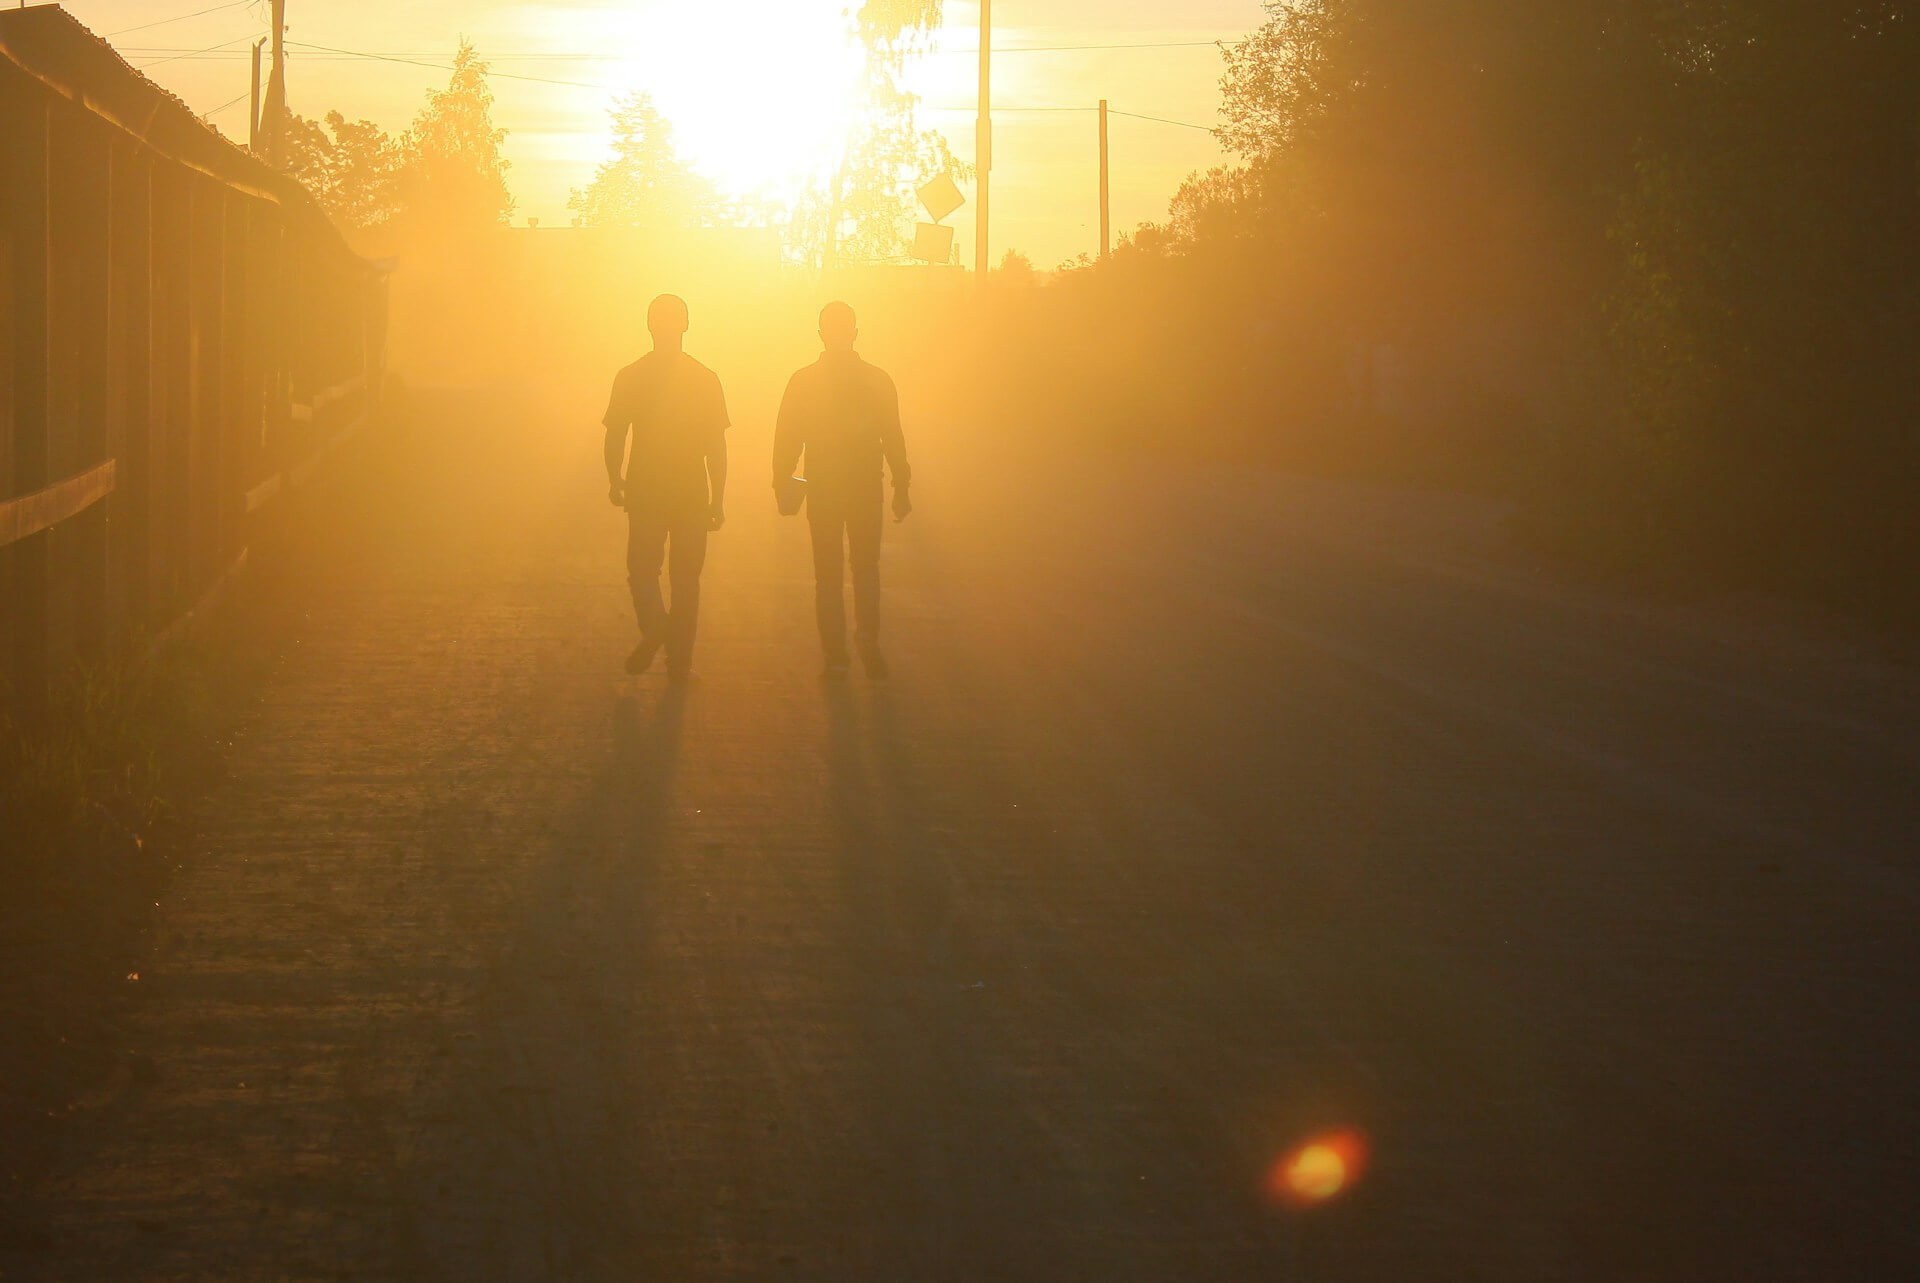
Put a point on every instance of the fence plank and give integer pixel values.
(45, 508)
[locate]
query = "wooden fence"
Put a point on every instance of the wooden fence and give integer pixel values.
(183, 336)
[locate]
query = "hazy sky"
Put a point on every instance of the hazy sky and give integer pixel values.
(755, 87)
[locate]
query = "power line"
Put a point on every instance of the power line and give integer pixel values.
(1158, 120)
(179, 17)
(446, 66)
(609, 57)
(1147, 44)
(585, 84)
(209, 49)
(231, 102)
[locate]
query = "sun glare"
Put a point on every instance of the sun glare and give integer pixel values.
(760, 103)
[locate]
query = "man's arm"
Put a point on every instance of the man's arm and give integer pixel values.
(614, 450)
(616, 455)
(893, 443)
(789, 436)
(717, 481)
(717, 457)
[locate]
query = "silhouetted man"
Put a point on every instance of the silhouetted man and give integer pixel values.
(845, 416)
(674, 481)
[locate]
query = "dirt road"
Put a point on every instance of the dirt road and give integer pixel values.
(1202, 814)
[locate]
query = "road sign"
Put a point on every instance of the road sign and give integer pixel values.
(932, 243)
(940, 197)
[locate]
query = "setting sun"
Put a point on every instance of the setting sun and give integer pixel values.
(761, 108)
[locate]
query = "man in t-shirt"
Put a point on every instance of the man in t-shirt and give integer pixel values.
(845, 416)
(674, 480)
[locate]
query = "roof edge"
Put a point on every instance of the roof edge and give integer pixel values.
(50, 46)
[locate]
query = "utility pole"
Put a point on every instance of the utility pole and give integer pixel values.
(274, 109)
(253, 104)
(1106, 227)
(983, 143)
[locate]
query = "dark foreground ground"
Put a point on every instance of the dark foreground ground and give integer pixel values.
(1203, 813)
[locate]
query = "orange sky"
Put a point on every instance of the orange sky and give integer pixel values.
(754, 96)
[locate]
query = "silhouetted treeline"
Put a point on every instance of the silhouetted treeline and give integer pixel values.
(1649, 266)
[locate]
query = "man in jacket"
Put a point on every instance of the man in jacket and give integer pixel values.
(844, 416)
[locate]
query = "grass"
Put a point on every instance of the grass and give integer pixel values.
(100, 774)
(95, 807)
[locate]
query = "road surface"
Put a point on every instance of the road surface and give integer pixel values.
(1203, 814)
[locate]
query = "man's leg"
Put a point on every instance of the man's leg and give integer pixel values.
(863, 548)
(646, 549)
(688, 555)
(829, 572)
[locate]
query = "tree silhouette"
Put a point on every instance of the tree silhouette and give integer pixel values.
(353, 168)
(645, 184)
(364, 175)
(1680, 231)
(455, 176)
(867, 212)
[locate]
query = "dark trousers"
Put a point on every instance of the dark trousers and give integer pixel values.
(649, 537)
(843, 532)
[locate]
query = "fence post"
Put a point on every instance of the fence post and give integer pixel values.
(83, 372)
(236, 428)
(172, 214)
(24, 584)
(131, 431)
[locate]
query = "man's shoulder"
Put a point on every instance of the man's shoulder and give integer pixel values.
(826, 367)
(808, 376)
(878, 382)
(695, 369)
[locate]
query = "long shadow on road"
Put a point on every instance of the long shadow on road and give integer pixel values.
(530, 1166)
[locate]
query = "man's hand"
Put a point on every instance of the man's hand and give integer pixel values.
(902, 505)
(716, 517)
(617, 493)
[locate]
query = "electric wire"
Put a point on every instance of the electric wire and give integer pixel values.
(178, 17)
(447, 66)
(610, 57)
(1111, 111)
(1158, 120)
(209, 49)
(231, 102)
(584, 84)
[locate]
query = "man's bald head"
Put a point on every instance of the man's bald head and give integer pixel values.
(838, 329)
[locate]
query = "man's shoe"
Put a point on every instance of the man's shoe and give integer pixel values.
(875, 663)
(835, 670)
(680, 674)
(640, 658)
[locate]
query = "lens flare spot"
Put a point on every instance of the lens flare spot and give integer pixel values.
(1320, 1169)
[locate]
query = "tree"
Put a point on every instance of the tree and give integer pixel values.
(454, 175)
(869, 213)
(646, 184)
(1691, 220)
(304, 154)
(1290, 73)
(363, 180)
(1017, 269)
(353, 174)
(1218, 207)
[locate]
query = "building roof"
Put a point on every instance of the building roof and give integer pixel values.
(51, 46)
